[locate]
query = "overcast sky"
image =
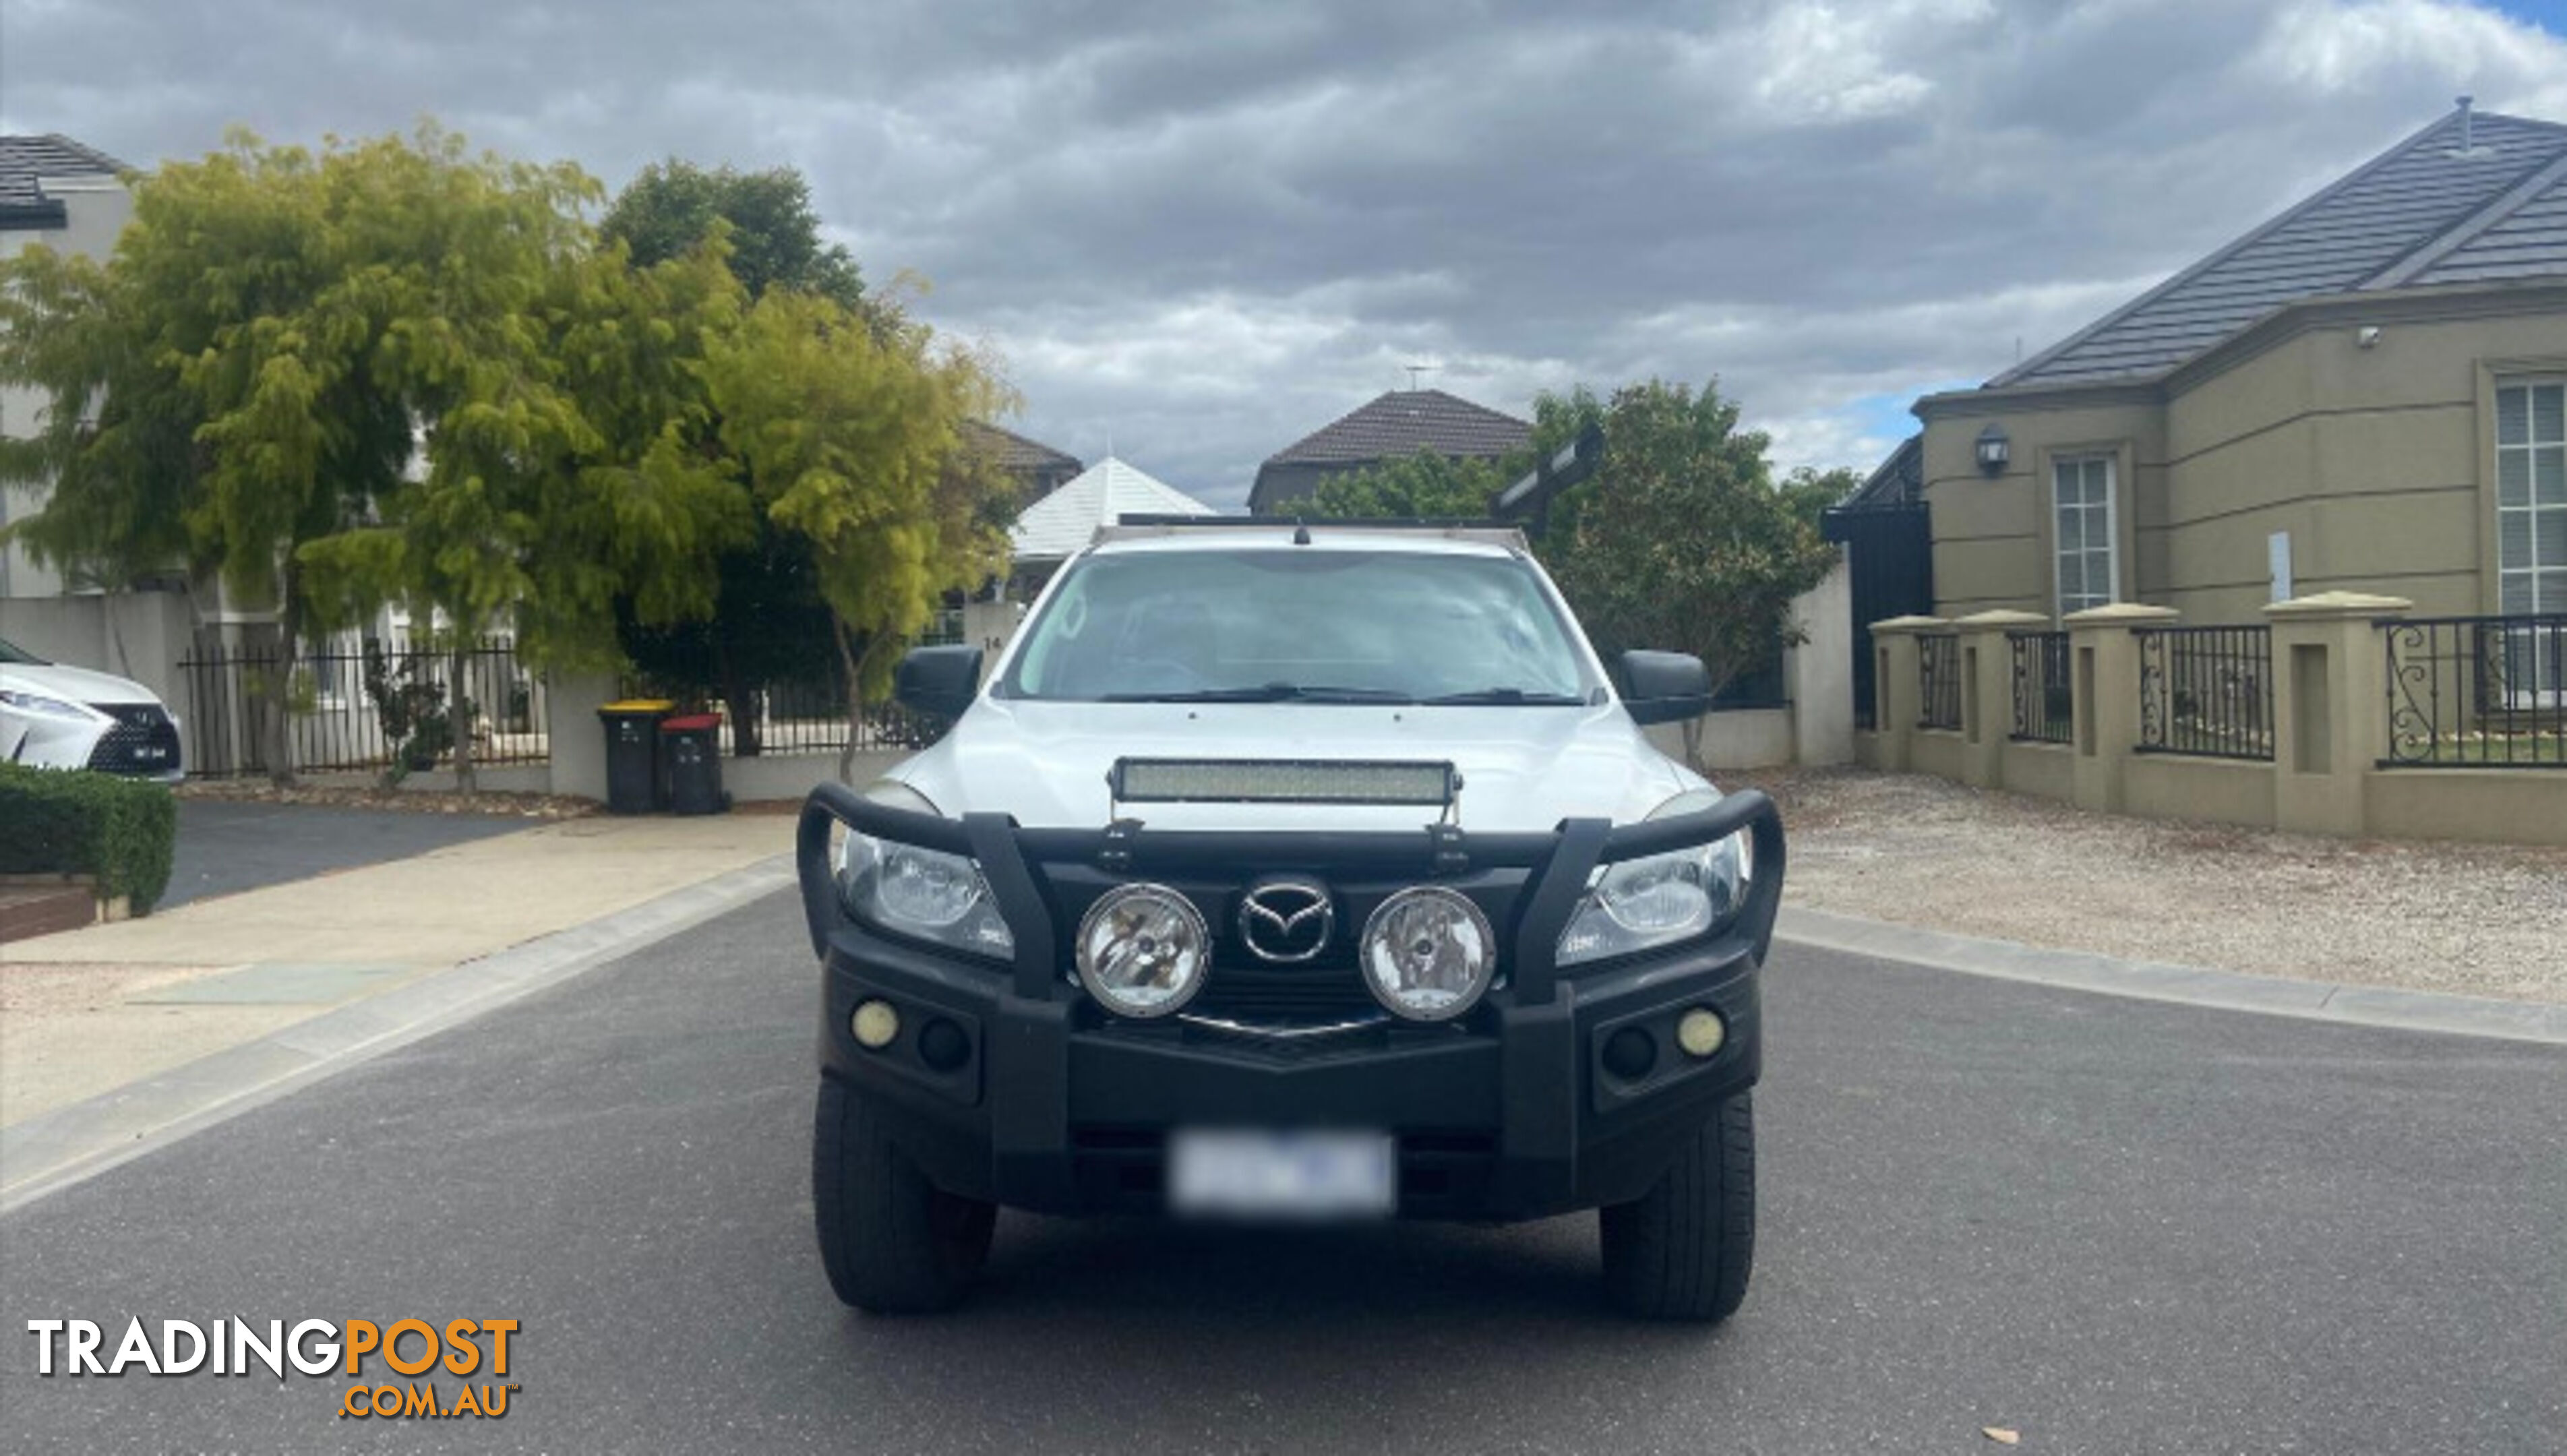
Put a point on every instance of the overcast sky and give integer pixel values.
(1201, 231)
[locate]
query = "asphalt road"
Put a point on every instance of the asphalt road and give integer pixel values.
(2111, 1226)
(224, 847)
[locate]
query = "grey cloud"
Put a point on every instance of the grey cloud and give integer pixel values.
(1206, 228)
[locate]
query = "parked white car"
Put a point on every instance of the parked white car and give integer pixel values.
(53, 715)
(1282, 872)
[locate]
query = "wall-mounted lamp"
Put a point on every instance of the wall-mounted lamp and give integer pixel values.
(1994, 450)
(2367, 337)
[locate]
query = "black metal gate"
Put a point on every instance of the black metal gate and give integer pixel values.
(1889, 562)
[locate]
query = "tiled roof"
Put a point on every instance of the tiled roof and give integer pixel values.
(25, 160)
(1064, 522)
(2481, 213)
(1016, 452)
(1402, 423)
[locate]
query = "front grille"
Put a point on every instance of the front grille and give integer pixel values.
(144, 740)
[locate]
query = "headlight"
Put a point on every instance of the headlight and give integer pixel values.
(1143, 951)
(41, 705)
(1428, 953)
(1642, 904)
(925, 893)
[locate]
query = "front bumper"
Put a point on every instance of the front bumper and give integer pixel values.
(1511, 1113)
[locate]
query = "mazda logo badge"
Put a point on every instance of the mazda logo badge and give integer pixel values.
(1285, 921)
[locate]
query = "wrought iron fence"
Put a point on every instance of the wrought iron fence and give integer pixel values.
(1939, 662)
(2043, 710)
(802, 708)
(363, 706)
(2477, 692)
(2206, 692)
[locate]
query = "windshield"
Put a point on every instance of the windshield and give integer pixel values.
(10, 652)
(1301, 625)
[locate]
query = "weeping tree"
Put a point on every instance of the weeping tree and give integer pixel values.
(204, 406)
(771, 624)
(847, 438)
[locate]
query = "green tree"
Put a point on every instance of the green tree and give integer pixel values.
(850, 443)
(1680, 539)
(673, 207)
(1425, 484)
(1808, 492)
(771, 624)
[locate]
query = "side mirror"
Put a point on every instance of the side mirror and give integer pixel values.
(940, 682)
(1665, 686)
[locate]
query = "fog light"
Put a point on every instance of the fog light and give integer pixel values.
(875, 1024)
(942, 1045)
(1629, 1053)
(1700, 1032)
(1428, 953)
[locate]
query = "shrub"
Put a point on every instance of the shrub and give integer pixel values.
(119, 831)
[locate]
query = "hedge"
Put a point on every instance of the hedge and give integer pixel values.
(119, 831)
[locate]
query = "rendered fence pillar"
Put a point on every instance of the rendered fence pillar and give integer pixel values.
(2330, 707)
(577, 740)
(2103, 678)
(1987, 692)
(1896, 699)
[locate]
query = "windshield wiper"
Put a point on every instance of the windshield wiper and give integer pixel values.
(1504, 698)
(1266, 693)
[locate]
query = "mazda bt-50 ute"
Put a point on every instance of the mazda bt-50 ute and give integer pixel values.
(1285, 872)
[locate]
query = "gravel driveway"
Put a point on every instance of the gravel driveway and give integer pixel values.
(2479, 920)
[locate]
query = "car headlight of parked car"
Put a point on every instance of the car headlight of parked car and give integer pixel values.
(923, 893)
(1642, 904)
(44, 707)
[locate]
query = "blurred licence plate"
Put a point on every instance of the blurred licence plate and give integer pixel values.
(1286, 1174)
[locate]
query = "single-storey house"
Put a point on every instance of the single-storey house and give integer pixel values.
(2367, 393)
(1060, 527)
(1038, 468)
(1399, 424)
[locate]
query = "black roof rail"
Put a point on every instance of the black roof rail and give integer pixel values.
(1368, 522)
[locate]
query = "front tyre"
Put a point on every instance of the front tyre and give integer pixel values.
(1682, 1251)
(893, 1243)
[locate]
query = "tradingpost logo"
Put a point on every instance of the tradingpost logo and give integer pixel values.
(422, 1354)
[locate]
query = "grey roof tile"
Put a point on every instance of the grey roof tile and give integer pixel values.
(1404, 421)
(2364, 232)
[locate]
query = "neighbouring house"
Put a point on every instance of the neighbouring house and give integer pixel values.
(72, 198)
(2282, 542)
(1397, 424)
(2365, 393)
(1060, 527)
(1037, 467)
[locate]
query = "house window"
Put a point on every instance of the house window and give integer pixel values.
(2081, 488)
(2531, 531)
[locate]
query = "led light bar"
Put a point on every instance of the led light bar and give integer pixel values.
(1282, 781)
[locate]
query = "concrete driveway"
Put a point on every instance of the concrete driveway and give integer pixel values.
(226, 847)
(2113, 1226)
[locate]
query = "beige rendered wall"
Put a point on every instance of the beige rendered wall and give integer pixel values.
(2045, 770)
(1992, 534)
(2160, 786)
(2374, 459)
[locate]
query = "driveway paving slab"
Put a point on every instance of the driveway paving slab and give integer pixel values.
(2114, 1226)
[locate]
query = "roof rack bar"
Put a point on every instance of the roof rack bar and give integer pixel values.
(1367, 523)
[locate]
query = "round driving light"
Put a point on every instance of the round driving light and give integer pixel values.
(875, 1024)
(1700, 1032)
(1428, 953)
(1142, 951)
